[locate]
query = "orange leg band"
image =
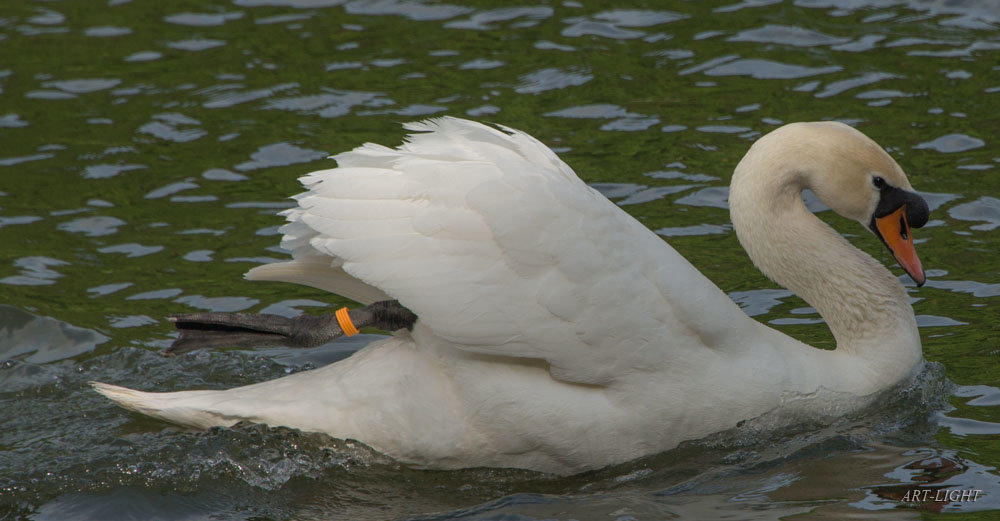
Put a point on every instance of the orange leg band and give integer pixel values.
(345, 322)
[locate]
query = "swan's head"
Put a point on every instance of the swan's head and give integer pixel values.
(852, 175)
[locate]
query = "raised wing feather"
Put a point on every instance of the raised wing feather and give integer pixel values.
(499, 248)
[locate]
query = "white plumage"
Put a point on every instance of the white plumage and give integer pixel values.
(555, 332)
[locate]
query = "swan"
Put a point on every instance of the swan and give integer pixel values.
(550, 330)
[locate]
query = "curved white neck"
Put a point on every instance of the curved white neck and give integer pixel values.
(865, 306)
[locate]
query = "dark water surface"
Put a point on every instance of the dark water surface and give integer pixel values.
(146, 146)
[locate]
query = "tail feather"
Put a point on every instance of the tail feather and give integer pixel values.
(180, 407)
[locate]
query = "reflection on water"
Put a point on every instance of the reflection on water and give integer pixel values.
(38, 340)
(939, 481)
(148, 147)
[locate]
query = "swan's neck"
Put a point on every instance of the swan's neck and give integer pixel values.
(864, 305)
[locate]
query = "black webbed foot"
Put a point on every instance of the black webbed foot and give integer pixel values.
(214, 330)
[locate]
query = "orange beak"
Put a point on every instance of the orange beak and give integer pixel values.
(895, 233)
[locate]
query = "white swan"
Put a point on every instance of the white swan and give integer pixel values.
(557, 333)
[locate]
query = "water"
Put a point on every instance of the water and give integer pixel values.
(145, 148)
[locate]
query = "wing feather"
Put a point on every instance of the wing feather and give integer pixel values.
(501, 249)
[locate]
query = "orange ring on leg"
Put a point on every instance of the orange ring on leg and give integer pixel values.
(345, 322)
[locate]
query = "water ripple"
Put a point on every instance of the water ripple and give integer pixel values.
(199, 256)
(280, 154)
(12, 121)
(837, 87)
(970, 50)
(107, 289)
(550, 79)
(131, 249)
(196, 44)
(951, 143)
(597, 110)
(283, 18)
(165, 126)
(759, 301)
(297, 4)
(984, 395)
(769, 69)
(676, 174)
(104, 171)
(202, 19)
(156, 294)
(412, 9)
(34, 271)
(38, 340)
(713, 196)
(698, 229)
(480, 63)
(93, 226)
(985, 209)
(862, 44)
(545, 45)
(218, 304)
(486, 20)
(83, 86)
(47, 17)
(229, 98)
(107, 31)
(170, 189)
(11, 161)
(787, 35)
(221, 174)
(18, 219)
(596, 28)
(653, 194)
(745, 4)
(331, 104)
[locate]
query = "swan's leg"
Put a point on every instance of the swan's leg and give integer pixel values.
(207, 330)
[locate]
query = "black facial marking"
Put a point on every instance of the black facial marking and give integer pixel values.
(891, 198)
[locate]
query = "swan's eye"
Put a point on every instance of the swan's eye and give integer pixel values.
(878, 182)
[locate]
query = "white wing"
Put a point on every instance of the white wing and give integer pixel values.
(499, 248)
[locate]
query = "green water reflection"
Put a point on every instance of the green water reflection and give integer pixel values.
(146, 146)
